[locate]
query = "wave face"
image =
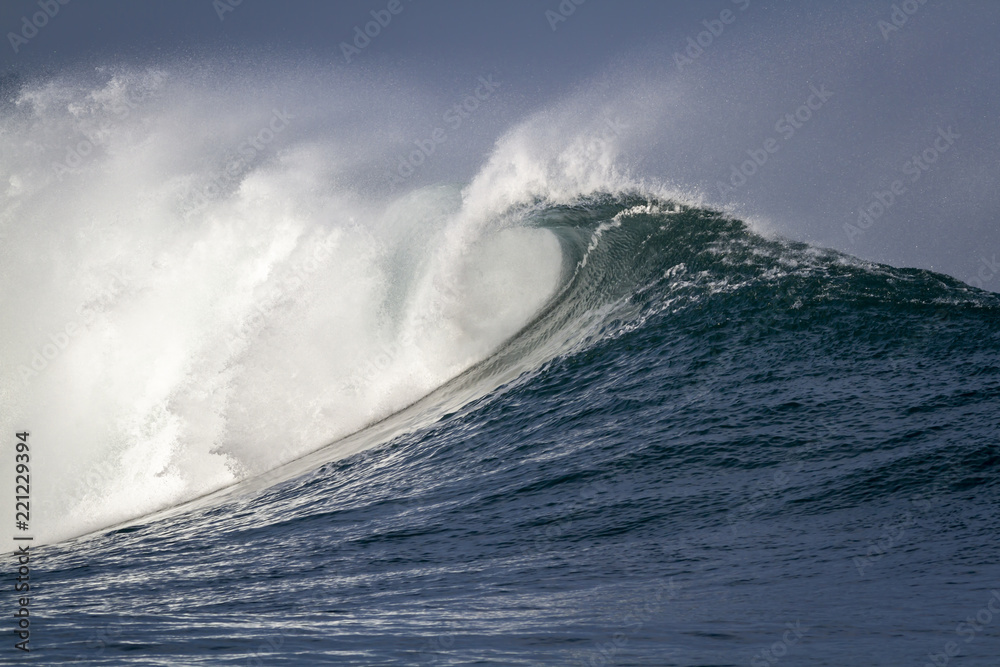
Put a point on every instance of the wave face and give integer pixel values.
(556, 412)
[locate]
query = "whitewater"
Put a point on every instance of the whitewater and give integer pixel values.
(234, 304)
(531, 404)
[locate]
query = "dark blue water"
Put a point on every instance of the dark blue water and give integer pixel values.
(743, 452)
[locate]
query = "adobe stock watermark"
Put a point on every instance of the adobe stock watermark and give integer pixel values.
(38, 20)
(892, 533)
(913, 169)
(103, 638)
(900, 15)
(372, 29)
(435, 647)
(987, 272)
(969, 629)
(221, 7)
(249, 150)
(59, 340)
(787, 126)
(714, 28)
(97, 475)
(453, 119)
(263, 650)
(565, 9)
(779, 649)
(290, 282)
(424, 322)
(77, 153)
(595, 144)
(605, 653)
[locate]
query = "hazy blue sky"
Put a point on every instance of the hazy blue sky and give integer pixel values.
(900, 74)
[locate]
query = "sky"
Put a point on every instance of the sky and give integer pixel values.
(869, 127)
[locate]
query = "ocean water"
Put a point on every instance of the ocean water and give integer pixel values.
(548, 415)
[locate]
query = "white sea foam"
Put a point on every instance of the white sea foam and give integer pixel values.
(182, 312)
